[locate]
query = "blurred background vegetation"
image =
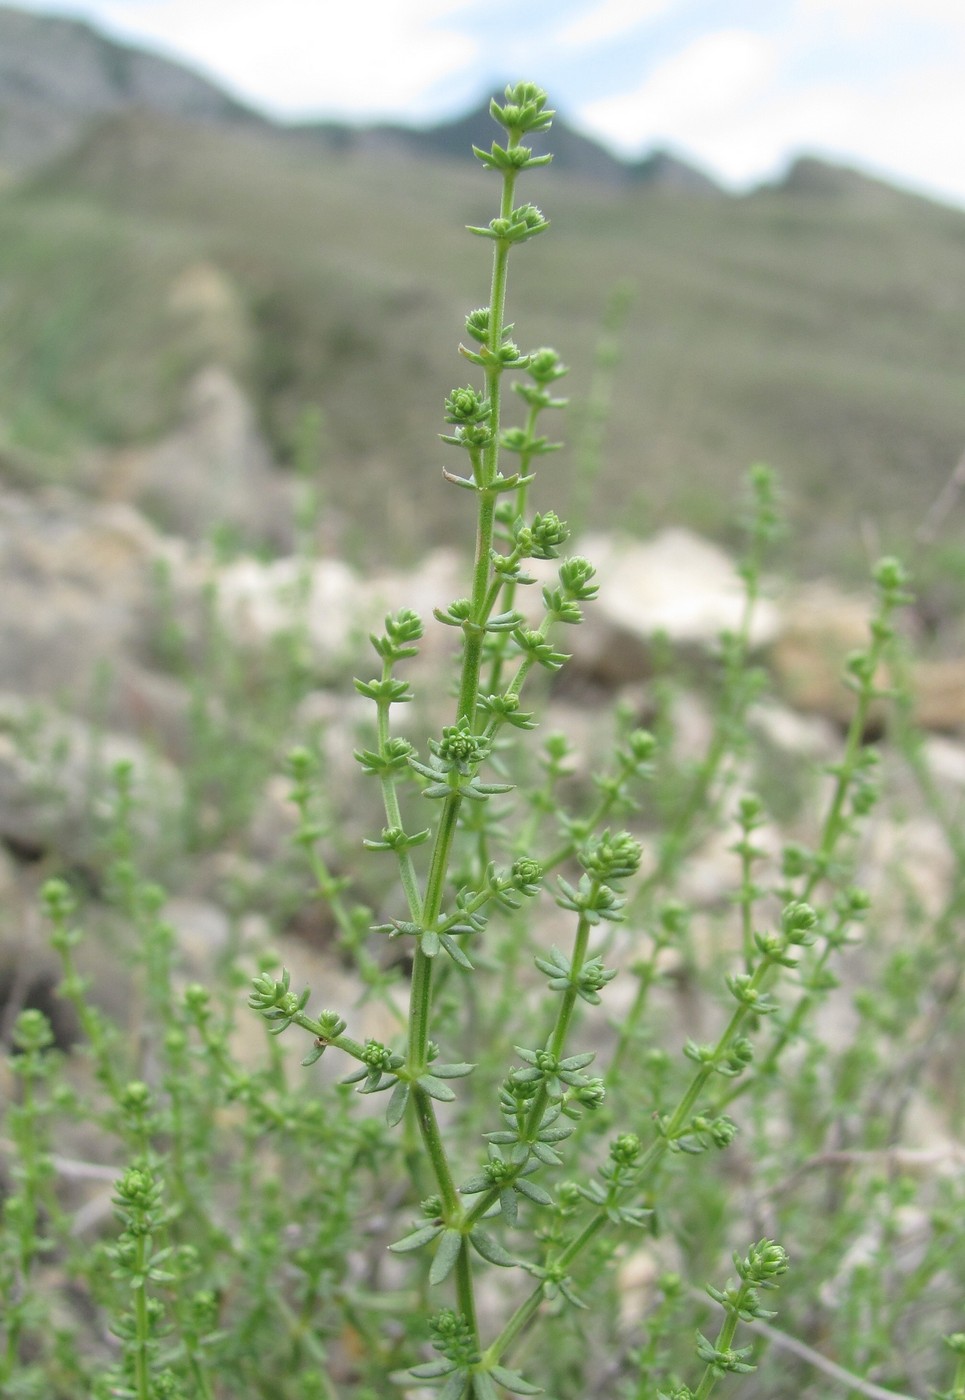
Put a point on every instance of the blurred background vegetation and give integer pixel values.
(149, 227)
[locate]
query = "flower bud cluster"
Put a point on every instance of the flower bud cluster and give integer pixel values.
(522, 224)
(526, 875)
(541, 539)
(544, 367)
(611, 858)
(460, 750)
(275, 1000)
(402, 629)
(452, 1337)
(32, 1033)
(472, 415)
(524, 110)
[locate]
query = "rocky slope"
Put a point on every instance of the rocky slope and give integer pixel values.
(59, 75)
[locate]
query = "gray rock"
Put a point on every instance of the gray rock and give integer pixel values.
(257, 602)
(676, 585)
(55, 784)
(74, 589)
(800, 736)
(77, 613)
(214, 470)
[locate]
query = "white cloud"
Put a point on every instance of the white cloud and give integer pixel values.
(909, 132)
(728, 102)
(708, 83)
(873, 82)
(608, 19)
(860, 17)
(365, 58)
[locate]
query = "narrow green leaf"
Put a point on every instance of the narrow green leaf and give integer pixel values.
(423, 1236)
(435, 1088)
(429, 943)
(511, 1380)
(386, 1082)
(397, 1103)
(546, 1154)
(454, 1388)
(456, 1071)
(455, 952)
(430, 1370)
(534, 1193)
(483, 1387)
(491, 1250)
(446, 1255)
(554, 1134)
(475, 1184)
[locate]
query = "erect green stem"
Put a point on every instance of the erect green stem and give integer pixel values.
(483, 599)
(568, 1003)
(507, 590)
(419, 1007)
(142, 1326)
(431, 1136)
(485, 525)
(724, 1342)
(647, 1166)
(420, 1000)
(514, 1327)
(832, 830)
(564, 1015)
(475, 632)
(834, 821)
(421, 996)
(393, 812)
(435, 1149)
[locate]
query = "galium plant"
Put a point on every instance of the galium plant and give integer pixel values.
(456, 1213)
(480, 868)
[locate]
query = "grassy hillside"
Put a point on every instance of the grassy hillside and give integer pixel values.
(819, 330)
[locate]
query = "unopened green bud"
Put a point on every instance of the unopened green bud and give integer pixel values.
(466, 406)
(477, 324)
(526, 875)
(545, 366)
(625, 1149)
(460, 749)
(32, 1031)
(611, 857)
(764, 1262)
(546, 534)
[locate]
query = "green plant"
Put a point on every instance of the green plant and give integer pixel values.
(469, 1223)
(481, 866)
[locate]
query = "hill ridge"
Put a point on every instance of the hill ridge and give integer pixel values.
(60, 74)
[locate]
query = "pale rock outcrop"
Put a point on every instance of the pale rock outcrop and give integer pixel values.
(820, 626)
(78, 600)
(55, 780)
(213, 471)
(675, 585)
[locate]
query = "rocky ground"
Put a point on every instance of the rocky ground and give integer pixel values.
(130, 633)
(109, 625)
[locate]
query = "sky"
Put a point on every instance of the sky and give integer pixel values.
(739, 87)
